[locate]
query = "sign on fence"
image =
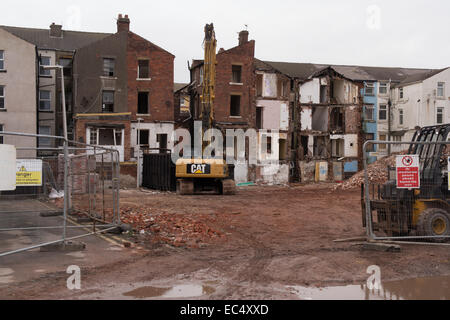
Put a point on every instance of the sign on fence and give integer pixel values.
(7, 167)
(29, 173)
(408, 172)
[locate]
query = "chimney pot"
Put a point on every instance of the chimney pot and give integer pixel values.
(243, 37)
(123, 23)
(56, 30)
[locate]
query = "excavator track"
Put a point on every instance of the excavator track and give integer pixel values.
(228, 187)
(185, 187)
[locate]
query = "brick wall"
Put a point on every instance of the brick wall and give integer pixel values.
(160, 87)
(242, 55)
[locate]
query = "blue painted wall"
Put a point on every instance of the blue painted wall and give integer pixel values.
(371, 126)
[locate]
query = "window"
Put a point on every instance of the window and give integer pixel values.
(237, 74)
(143, 137)
(235, 106)
(44, 100)
(143, 103)
(440, 89)
(282, 149)
(45, 142)
(400, 93)
(2, 60)
(109, 137)
(44, 61)
(400, 117)
(259, 117)
(162, 141)
(1, 137)
(383, 88)
(108, 101)
(369, 89)
(67, 66)
(108, 67)
(2, 97)
(93, 136)
(371, 146)
(337, 147)
(368, 113)
(440, 115)
(143, 69)
(383, 112)
(269, 144)
(397, 138)
(382, 138)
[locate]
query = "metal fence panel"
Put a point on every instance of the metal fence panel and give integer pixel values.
(400, 202)
(75, 188)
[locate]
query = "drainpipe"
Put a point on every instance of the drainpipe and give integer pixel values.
(389, 120)
(37, 94)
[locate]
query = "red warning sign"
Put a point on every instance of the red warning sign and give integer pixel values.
(408, 172)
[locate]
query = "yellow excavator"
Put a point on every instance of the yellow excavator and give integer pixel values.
(208, 176)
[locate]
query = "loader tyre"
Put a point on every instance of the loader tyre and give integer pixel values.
(185, 187)
(434, 222)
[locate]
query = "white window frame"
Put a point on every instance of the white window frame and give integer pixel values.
(439, 111)
(372, 108)
(49, 100)
(384, 85)
(2, 58)
(3, 96)
(46, 73)
(97, 136)
(369, 85)
(443, 89)
(45, 142)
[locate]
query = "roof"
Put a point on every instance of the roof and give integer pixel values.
(304, 71)
(419, 77)
(70, 41)
(179, 86)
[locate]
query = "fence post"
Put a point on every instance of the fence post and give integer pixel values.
(66, 193)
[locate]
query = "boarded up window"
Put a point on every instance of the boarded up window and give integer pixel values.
(143, 69)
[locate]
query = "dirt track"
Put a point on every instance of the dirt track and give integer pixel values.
(274, 237)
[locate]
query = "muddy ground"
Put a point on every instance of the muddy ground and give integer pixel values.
(270, 238)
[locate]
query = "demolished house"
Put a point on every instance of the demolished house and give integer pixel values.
(330, 127)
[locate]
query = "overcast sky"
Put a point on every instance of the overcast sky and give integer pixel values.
(412, 33)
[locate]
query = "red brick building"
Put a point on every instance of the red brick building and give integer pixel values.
(119, 81)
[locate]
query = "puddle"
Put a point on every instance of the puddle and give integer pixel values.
(437, 288)
(181, 291)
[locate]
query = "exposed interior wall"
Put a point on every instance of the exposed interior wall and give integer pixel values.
(320, 119)
(270, 85)
(275, 114)
(310, 91)
(306, 118)
(154, 130)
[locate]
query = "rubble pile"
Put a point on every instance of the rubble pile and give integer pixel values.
(179, 230)
(377, 172)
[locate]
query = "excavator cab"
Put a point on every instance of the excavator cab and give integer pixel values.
(417, 212)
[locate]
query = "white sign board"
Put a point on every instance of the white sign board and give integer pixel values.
(7, 167)
(29, 173)
(408, 172)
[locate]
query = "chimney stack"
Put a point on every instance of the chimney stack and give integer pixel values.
(123, 23)
(243, 37)
(56, 30)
